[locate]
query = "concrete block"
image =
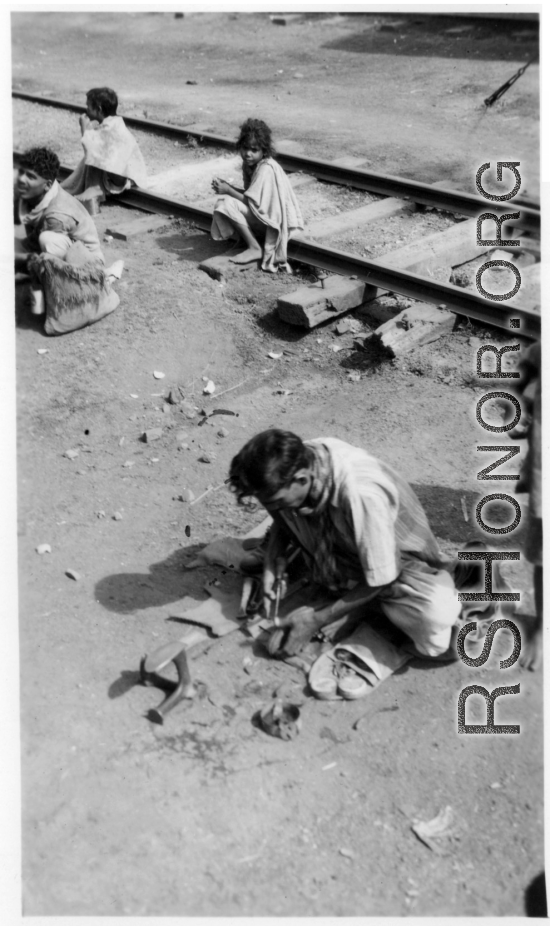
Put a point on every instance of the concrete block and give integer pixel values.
(355, 218)
(126, 230)
(448, 248)
(413, 327)
(308, 306)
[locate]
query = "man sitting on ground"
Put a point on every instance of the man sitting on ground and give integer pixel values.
(362, 530)
(59, 250)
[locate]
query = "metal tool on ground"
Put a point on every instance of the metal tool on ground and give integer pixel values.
(149, 667)
(506, 86)
(280, 568)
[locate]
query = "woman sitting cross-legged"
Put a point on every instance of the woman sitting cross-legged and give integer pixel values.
(265, 214)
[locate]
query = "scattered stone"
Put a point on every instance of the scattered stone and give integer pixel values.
(207, 457)
(186, 496)
(71, 454)
(73, 574)
(129, 463)
(348, 325)
(347, 853)
(190, 411)
(223, 432)
(354, 376)
(43, 350)
(43, 548)
(133, 395)
(495, 785)
(209, 388)
(158, 375)
(81, 472)
(117, 516)
(151, 435)
(274, 356)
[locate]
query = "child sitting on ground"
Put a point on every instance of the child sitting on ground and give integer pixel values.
(112, 160)
(60, 251)
(266, 208)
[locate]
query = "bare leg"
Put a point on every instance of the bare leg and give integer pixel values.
(253, 250)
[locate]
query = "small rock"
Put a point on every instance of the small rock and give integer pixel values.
(173, 398)
(274, 356)
(166, 409)
(188, 410)
(186, 496)
(129, 463)
(43, 350)
(71, 454)
(223, 432)
(495, 785)
(151, 435)
(207, 457)
(73, 574)
(354, 376)
(209, 388)
(121, 441)
(117, 516)
(108, 238)
(81, 472)
(134, 395)
(192, 83)
(100, 514)
(184, 447)
(43, 548)
(347, 853)
(158, 375)
(182, 435)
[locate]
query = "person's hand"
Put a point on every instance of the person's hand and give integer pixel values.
(84, 122)
(220, 186)
(302, 625)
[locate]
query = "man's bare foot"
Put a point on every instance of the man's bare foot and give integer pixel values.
(248, 256)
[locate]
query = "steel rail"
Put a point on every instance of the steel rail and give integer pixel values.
(383, 184)
(376, 272)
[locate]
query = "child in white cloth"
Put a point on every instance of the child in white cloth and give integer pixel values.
(112, 160)
(266, 209)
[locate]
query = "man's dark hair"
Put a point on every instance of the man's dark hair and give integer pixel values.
(267, 463)
(42, 161)
(104, 98)
(256, 131)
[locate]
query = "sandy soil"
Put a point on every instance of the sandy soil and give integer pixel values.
(207, 815)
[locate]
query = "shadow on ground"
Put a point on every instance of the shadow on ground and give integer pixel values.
(444, 36)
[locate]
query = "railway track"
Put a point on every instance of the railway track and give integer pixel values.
(373, 271)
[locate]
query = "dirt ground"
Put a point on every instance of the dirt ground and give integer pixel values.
(207, 815)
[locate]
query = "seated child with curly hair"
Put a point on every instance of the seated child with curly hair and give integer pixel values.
(112, 160)
(59, 251)
(265, 210)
